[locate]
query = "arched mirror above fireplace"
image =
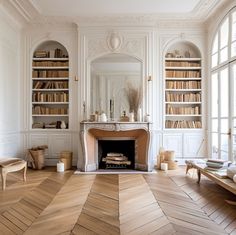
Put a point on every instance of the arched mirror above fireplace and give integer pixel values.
(113, 78)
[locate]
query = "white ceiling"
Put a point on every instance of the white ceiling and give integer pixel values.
(88, 8)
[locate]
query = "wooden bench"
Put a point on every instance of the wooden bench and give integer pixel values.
(227, 183)
(12, 165)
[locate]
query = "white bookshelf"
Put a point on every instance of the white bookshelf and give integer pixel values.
(50, 86)
(183, 93)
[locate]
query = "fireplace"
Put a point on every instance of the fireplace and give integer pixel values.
(91, 133)
(116, 154)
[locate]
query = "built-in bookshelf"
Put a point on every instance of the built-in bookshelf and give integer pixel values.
(50, 86)
(183, 91)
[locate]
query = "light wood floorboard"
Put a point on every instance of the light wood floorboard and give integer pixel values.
(163, 203)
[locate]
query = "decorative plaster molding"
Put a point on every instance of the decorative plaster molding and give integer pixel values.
(114, 41)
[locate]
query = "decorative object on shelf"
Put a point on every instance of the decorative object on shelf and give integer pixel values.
(187, 54)
(149, 78)
(58, 126)
(63, 125)
(139, 115)
(131, 117)
(124, 118)
(148, 118)
(103, 117)
(60, 167)
(111, 109)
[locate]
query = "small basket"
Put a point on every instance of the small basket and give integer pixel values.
(66, 158)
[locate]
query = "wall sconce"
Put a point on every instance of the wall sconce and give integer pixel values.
(76, 78)
(149, 78)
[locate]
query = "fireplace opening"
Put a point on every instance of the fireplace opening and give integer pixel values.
(116, 154)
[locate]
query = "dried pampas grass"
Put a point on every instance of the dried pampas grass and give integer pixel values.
(134, 96)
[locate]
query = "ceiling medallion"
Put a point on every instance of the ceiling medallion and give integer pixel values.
(114, 41)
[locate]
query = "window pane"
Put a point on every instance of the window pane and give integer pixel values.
(214, 123)
(214, 60)
(214, 95)
(224, 54)
(234, 91)
(214, 137)
(234, 26)
(224, 126)
(215, 44)
(224, 147)
(234, 147)
(233, 49)
(234, 126)
(224, 93)
(224, 33)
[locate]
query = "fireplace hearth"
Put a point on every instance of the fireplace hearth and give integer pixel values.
(116, 154)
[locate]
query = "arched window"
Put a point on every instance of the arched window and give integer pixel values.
(223, 89)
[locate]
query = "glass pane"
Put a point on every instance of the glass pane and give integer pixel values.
(214, 145)
(234, 26)
(224, 126)
(233, 48)
(234, 91)
(234, 148)
(214, 60)
(214, 123)
(224, 147)
(224, 93)
(234, 127)
(224, 33)
(215, 44)
(224, 54)
(214, 95)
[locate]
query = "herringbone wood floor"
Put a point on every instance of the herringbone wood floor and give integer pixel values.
(163, 203)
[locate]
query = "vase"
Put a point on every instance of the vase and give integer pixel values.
(63, 125)
(139, 115)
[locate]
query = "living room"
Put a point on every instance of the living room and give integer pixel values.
(131, 80)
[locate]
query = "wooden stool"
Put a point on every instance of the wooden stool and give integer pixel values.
(12, 165)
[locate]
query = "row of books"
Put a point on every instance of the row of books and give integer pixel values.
(183, 124)
(182, 110)
(50, 85)
(46, 110)
(57, 53)
(182, 74)
(50, 63)
(183, 84)
(50, 73)
(182, 64)
(183, 97)
(50, 97)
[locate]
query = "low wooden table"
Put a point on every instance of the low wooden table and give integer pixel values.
(227, 183)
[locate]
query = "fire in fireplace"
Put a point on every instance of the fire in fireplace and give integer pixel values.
(116, 154)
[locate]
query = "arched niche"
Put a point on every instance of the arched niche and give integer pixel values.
(50, 46)
(183, 49)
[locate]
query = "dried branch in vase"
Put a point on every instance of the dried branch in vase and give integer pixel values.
(134, 96)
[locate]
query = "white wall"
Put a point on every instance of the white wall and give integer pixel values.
(9, 86)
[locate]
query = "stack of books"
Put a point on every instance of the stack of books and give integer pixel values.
(216, 164)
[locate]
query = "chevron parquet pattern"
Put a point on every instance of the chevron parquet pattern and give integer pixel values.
(129, 204)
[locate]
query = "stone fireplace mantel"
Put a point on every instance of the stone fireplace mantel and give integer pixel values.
(91, 132)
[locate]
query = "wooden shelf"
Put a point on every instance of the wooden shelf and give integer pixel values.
(50, 68)
(187, 79)
(182, 59)
(183, 102)
(50, 59)
(53, 79)
(50, 115)
(183, 68)
(53, 90)
(50, 102)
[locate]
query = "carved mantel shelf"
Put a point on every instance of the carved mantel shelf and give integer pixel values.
(91, 132)
(114, 126)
